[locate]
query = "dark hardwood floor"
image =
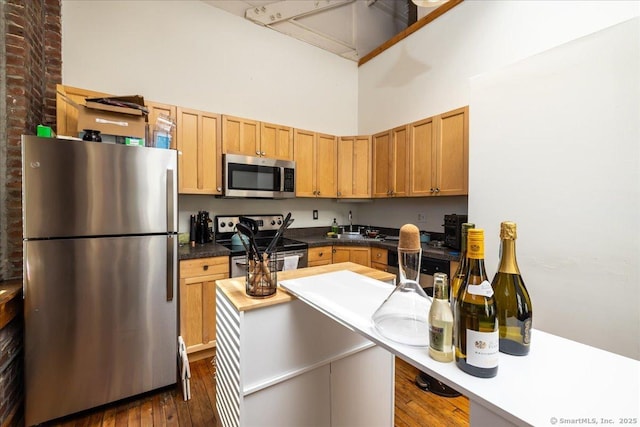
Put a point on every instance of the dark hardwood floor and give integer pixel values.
(166, 407)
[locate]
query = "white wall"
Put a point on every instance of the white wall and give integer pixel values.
(428, 72)
(194, 55)
(577, 215)
(556, 148)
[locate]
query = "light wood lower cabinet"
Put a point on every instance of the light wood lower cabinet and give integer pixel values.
(379, 259)
(321, 255)
(198, 301)
(359, 255)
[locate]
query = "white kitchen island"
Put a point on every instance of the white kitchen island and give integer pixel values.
(280, 362)
(561, 382)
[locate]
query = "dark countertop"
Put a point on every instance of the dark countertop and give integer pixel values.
(315, 240)
(205, 250)
(444, 253)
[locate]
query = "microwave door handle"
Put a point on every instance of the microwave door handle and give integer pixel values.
(281, 178)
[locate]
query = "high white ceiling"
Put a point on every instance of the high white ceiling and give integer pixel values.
(349, 28)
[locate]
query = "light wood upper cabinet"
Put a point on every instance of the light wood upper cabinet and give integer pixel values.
(316, 164)
(354, 167)
(440, 155)
(155, 110)
(276, 141)
(199, 152)
(66, 112)
(452, 160)
(423, 152)
(390, 163)
(240, 136)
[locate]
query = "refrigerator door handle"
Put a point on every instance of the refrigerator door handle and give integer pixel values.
(172, 197)
(171, 265)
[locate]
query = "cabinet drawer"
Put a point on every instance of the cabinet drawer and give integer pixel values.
(321, 253)
(204, 266)
(379, 255)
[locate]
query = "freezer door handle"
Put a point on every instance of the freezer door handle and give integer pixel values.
(171, 265)
(172, 197)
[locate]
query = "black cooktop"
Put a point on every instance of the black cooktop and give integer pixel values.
(267, 226)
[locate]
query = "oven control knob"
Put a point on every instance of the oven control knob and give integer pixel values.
(273, 222)
(279, 222)
(230, 224)
(222, 224)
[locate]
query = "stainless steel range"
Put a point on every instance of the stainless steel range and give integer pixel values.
(265, 228)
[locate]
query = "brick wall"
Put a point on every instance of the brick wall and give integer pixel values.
(31, 69)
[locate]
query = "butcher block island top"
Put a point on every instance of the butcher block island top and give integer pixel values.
(234, 288)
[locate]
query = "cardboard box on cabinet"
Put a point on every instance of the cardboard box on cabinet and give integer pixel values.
(110, 120)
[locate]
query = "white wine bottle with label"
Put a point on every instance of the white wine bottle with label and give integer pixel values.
(440, 321)
(475, 320)
(513, 303)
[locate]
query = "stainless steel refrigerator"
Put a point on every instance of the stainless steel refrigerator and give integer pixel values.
(100, 273)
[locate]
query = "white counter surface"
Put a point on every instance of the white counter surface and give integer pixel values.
(559, 382)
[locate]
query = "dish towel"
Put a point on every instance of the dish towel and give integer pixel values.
(290, 263)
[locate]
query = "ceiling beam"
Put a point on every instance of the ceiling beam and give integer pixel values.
(285, 10)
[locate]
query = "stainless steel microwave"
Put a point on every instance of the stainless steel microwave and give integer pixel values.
(247, 176)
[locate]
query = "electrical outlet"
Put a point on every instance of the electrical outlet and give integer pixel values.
(315, 214)
(422, 217)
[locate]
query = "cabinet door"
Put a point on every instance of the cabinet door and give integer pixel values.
(66, 112)
(381, 151)
(422, 158)
(304, 143)
(341, 254)
(276, 141)
(198, 300)
(400, 165)
(198, 311)
(360, 256)
(240, 136)
(155, 110)
(452, 168)
(362, 167)
(345, 166)
(354, 167)
(326, 166)
(199, 159)
(187, 145)
(211, 153)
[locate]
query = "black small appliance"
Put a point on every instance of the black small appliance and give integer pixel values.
(204, 231)
(453, 230)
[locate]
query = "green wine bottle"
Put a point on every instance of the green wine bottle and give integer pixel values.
(513, 303)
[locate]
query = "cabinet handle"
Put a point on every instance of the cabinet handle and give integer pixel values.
(257, 153)
(219, 189)
(431, 190)
(262, 153)
(205, 268)
(339, 193)
(437, 190)
(378, 254)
